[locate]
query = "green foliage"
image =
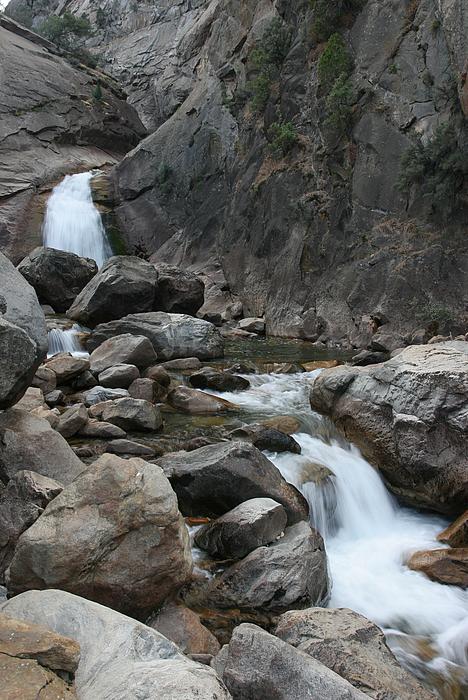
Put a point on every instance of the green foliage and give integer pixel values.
(97, 92)
(283, 137)
(65, 30)
(439, 168)
(334, 62)
(339, 105)
(21, 13)
(267, 58)
(328, 14)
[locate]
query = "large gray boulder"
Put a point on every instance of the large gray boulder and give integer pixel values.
(212, 480)
(179, 291)
(57, 276)
(353, 647)
(133, 414)
(257, 666)
(26, 440)
(123, 285)
(115, 535)
(127, 349)
(23, 334)
(121, 659)
(172, 335)
(409, 416)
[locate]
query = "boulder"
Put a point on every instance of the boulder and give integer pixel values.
(290, 573)
(34, 661)
(55, 398)
(354, 648)
(129, 447)
(256, 665)
(51, 416)
(456, 534)
(85, 380)
(57, 276)
(265, 438)
(385, 340)
(285, 424)
(188, 400)
(409, 417)
(45, 379)
(21, 503)
(72, 420)
(121, 659)
(124, 285)
(369, 357)
(118, 376)
(125, 349)
(28, 440)
(31, 399)
(253, 325)
(183, 364)
(115, 535)
(158, 374)
(442, 565)
(66, 367)
(133, 414)
(171, 335)
(179, 291)
(209, 378)
(183, 627)
(147, 389)
(212, 480)
(235, 534)
(23, 334)
(101, 430)
(99, 394)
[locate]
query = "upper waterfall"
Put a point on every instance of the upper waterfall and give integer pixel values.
(73, 223)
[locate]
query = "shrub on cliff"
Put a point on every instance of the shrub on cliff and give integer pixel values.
(329, 14)
(283, 137)
(267, 58)
(65, 30)
(339, 105)
(334, 62)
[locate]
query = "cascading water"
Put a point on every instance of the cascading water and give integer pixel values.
(66, 341)
(73, 223)
(368, 538)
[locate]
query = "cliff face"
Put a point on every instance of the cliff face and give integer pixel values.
(50, 125)
(315, 235)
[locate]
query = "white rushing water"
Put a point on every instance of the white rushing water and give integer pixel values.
(368, 536)
(66, 341)
(73, 223)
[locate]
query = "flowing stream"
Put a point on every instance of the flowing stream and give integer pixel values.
(368, 538)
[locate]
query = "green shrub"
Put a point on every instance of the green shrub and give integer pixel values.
(97, 92)
(283, 137)
(267, 58)
(439, 168)
(339, 105)
(329, 13)
(333, 62)
(65, 30)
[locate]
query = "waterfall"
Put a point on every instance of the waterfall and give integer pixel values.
(65, 341)
(368, 536)
(73, 223)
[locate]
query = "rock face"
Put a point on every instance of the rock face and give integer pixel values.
(28, 440)
(255, 666)
(121, 659)
(179, 291)
(443, 565)
(57, 127)
(57, 276)
(126, 553)
(408, 416)
(23, 334)
(354, 648)
(171, 335)
(123, 285)
(212, 480)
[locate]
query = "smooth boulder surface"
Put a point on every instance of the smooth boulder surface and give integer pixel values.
(211, 480)
(183, 627)
(147, 389)
(133, 414)
(101, 394)
(101, 430)
(188, 400)
(290, 573)
(72, 421)
(353, 647)
(123, 285)
(57, 276)
(26, 440)
(209, 378)
(267, 438)
(251, 524)
(409, 417)
(124, 349)
(121, 659)
(256, 665)
(448, 566)
(179, 291)
(118, 376)
(253, 325)
(115, 535)
(171, 335)
(67, 367)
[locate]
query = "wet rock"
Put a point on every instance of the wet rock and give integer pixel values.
(67, 367)
(107, 548)
(100, 394)
(28, 440)
(242, 368)
(354, 648)
(120, 658)
(253, 325)
(251, 524)
(285, 424)
(45, 379)
(212, 480)
(442, 565)
(456, 534)
(32, 398)
(55, 398)
(124, 285)
(148, 390)
(208, 378)
(188, 400)
(250, 668)
(183, 627)
(125, 349)
(133, 414)
(101, 430)
(408, 416)
(285, 368)
(158, 374)
(118, 376)
(369, 357)
(182, 364)
(171, 335)
(72, 421)
(265, 438)
(21, 503)
(57, 276)
(319, 364)
(179, 291)
(128, 447)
